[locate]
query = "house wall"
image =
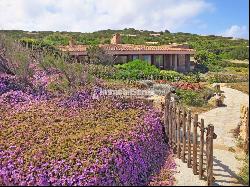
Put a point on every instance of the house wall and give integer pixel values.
(177, 62)
(180, 62)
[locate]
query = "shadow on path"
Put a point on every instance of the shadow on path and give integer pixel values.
(225, 174)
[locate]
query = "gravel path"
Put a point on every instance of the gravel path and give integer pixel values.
(224, 119)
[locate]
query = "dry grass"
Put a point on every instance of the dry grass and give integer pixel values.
(241, 86)
(239, 61)
(202, 109)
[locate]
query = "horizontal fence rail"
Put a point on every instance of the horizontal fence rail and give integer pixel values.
(190, 140)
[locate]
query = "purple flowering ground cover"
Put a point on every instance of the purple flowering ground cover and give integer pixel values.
(78, 140)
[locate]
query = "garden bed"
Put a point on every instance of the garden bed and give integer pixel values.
(107, 142)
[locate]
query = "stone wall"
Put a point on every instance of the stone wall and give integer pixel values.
(244, 132)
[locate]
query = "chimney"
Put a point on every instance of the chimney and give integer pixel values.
(116, 39)
(72, 42)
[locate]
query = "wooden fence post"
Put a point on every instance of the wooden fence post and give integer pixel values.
(201, 150)
(174, 124)
(170, 122)
(195, 123)
(210, 155)
(178, 133)
(183, 134)
(166, 115)
(189, 138)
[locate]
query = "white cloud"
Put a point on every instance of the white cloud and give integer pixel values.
(91, 15)
(236, 31)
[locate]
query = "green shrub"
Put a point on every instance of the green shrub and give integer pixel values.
(136, 70)
(171, 75)
(207, 61)
(192, 77)
(56, 39)
(190, 98)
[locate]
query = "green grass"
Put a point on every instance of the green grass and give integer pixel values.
(244, 173)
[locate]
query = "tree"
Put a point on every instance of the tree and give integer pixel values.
(96, 55)
(207, 61)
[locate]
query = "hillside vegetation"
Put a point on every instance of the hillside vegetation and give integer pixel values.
(221, 47)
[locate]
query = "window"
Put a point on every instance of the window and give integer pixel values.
(122, 59)
(159, 61)
(172, 60)
(147, 58)
(134, 57)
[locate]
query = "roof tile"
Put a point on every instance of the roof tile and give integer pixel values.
(124, 47)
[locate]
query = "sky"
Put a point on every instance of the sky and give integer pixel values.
(205, 17)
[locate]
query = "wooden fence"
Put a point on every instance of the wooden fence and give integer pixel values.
(193, 146)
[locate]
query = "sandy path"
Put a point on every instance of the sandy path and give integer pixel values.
(224, 119)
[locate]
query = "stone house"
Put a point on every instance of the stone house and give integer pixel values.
(168, 57)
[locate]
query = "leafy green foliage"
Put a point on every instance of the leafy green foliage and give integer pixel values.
(224, 47)
(194, 77)
(207, 61)
(190, 98)
(171, 75)
(136, 69)
(239, 52)
(57, 39)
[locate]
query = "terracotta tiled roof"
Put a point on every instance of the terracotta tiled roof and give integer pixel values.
(124, 47)
(131, 47)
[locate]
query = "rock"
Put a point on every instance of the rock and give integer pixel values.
(163, 89)
(147, 83)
